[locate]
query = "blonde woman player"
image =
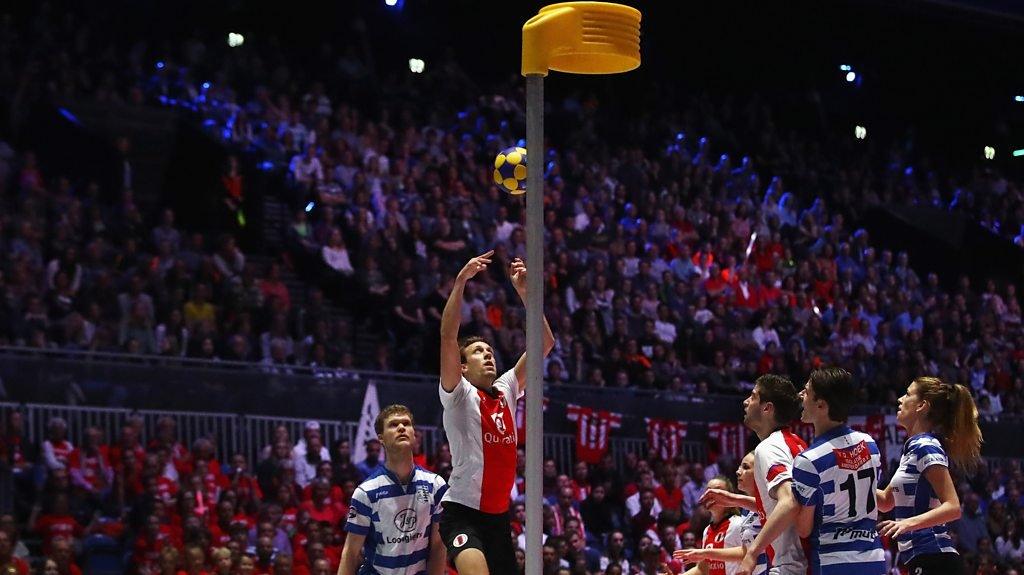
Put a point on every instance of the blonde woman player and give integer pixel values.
(722, 540)
(750, 525)
(942, 423)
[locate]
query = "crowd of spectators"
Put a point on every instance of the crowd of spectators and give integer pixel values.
(673, 262)
(117, 499)
(655, 276)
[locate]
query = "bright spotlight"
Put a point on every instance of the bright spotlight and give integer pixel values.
(860, 132)
(1018, 98)
(235, 40)
(990, 152)
(851, 76)
(309, 207)
(1018, 153)
(416, 65)
(160, 65)
(845, 67)
(391, 2)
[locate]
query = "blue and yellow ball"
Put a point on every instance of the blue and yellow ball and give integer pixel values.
(510, 170)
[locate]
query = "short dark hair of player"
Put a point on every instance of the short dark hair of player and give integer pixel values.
(393, 409)
(834, 386)
(466, 342)
(781, 392)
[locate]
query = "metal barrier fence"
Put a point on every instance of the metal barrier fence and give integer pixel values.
(152, 384)
(248, 434)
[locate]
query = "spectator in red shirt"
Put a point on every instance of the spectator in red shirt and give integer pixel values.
(314, 553)
(61, 553)
(9, 564)
(148, 549)
(210, 483)
(90, 469)
(58, 522)
(581, 480)
(273, 287)
(669, 494)
(244, 484)
(289, 507)
(203, 450)
(166, 436)
(320, 506)
(325, 470)
(220, 525)
(127, 441)
(308, 531)
(264, 556)
(57, 449)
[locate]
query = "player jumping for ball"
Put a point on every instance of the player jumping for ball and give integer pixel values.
(480, 425)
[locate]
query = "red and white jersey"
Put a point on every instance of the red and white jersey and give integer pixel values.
(725, 534)
(727, 438)
(481, 433)
(665, 437)
(592, 431)
(56, 455)
(773, 465)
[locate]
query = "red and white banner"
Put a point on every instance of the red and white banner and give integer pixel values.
(887, 435)
(592, 431)
(665, 437)
(727, 439)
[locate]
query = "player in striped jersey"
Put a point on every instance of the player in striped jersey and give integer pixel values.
(722, 544)
(939, 417)
(834, 484)
(481, 429)
(394, 513)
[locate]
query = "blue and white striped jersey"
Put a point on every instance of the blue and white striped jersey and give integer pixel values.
(396, 520)
(836, 475)
(749, 529)
(914, 495)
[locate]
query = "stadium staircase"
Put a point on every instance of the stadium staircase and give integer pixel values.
(275, 223)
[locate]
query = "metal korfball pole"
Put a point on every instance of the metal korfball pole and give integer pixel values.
(576, 38)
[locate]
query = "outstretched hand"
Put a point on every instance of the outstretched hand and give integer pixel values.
(475, 266)
(518, 275)
(690, 555)
(716, 497)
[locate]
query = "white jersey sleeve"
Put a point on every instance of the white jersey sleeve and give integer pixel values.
(360, 513)
(772, 463)
(455, 396)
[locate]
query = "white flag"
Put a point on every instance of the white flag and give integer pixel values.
(367, 417)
